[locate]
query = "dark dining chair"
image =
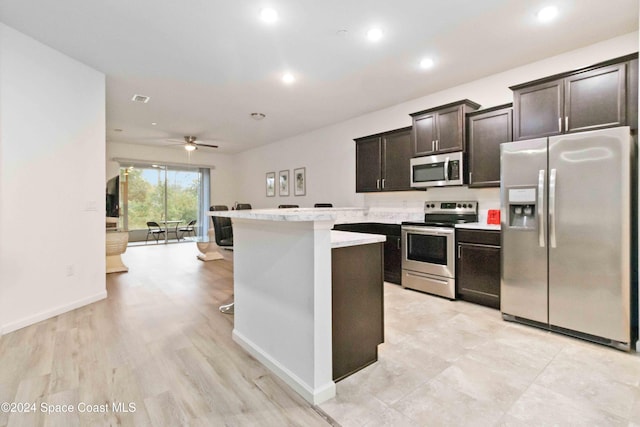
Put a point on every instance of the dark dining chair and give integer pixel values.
(154, 229)
(190, 228)
(287, 206)
(224, 238)
(243, 206)
(222, 227)
(323, 205)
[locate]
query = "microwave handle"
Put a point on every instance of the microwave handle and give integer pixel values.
(446, 169)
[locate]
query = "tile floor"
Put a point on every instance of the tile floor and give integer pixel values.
(453, 363)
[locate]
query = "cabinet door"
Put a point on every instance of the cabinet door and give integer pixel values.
(478, 273)
(357, 307)
(595, 99)
(486, 133)
(538, 110)
(392, 260)
(450, 130)
(397, 153)
(368, 165)
(424, 134)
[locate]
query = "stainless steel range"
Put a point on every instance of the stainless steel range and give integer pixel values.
(428, 255)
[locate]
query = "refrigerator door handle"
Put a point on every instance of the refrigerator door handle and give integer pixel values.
(552, 208)
(541, 219)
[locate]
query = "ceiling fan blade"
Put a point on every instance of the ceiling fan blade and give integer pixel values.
(199, 144)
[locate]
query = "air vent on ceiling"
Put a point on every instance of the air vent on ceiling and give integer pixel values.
(140, 98)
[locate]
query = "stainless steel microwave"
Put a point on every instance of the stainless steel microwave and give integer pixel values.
(437, 171)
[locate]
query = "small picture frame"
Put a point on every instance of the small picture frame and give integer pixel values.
(283, 183)
(271, 184)
(299, 182)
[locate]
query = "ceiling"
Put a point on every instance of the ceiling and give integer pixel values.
(208, 64)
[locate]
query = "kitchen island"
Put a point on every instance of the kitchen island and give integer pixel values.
(283, 291)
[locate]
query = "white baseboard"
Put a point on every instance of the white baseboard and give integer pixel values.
(44, 315)
(311, 395)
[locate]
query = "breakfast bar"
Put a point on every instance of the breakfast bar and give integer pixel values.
(283, 293)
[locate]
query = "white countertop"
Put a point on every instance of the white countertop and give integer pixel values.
(479, 226)
(341, 239)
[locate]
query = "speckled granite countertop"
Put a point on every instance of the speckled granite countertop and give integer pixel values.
(339, 215)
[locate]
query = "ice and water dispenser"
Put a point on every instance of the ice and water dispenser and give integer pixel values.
(522, 208)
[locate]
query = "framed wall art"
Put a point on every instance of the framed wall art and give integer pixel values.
(299, 182)
(271, 184)
(283, 183)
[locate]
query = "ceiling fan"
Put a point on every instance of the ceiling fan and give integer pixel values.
(191, 143)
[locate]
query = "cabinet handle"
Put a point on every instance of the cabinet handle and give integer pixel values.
(399, 244)
(566, 123)
(470, 177)
(378, 184)
(459, 253)
(437, 145)
(559, 124)
(383, 183)
(433, 146)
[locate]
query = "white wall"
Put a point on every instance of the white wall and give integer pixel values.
(52, 142)
(223, 174)
(329, 153)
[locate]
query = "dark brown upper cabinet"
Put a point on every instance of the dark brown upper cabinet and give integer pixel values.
(441, 129)
(487, 129)
(382, 161)
(594, 97)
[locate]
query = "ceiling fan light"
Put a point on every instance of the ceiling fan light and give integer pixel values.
(190, 147)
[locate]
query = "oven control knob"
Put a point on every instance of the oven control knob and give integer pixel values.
(432, 205)
(459, 205)
(464, 206)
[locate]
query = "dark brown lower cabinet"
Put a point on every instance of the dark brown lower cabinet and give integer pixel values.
(357, 307)
(478, 266)
(392, 249)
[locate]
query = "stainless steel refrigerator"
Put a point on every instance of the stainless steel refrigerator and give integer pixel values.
(568, 235)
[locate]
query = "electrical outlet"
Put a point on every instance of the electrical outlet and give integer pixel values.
(70, 270)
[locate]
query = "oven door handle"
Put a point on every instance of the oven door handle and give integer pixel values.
(429, 230)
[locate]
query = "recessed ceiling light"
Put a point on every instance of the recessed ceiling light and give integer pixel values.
(547, 14)
(426, 63)
(288, 78)
(374, 34)
(268, 15)
(153, 123)
(258, 116)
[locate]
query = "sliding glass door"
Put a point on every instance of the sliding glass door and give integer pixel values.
(170, 196)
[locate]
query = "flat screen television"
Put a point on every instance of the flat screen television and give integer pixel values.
(113, 197)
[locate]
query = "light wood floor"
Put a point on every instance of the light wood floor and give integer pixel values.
(158, 341)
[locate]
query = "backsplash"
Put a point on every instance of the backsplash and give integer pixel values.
(411, 202)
